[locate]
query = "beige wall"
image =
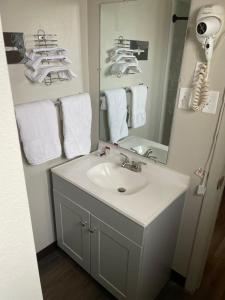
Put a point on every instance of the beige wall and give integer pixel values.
(68, 20)
(191, 133)
(191, 138)
(19, 278)
(153, 19)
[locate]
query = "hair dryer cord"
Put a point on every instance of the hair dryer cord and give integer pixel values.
(201, 89)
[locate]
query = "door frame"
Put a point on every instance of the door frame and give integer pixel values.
(203, 237)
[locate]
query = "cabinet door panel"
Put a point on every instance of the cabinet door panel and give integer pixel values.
(115, 260)
(72, 223)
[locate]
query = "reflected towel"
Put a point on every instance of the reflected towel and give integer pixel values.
(138, 105)
(117, 114)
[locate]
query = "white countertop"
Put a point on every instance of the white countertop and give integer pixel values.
(164, 186)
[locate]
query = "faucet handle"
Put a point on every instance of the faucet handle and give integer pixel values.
(125, 157)
(141, 163)
(137, 165)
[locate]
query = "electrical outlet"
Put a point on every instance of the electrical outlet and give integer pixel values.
(184, 98)
(211, 106)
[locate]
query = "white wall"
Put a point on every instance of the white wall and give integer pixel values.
(68, 20)
(19, 278)
(192, 132)
(153, 19)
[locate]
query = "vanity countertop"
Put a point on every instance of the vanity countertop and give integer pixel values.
(164, 186)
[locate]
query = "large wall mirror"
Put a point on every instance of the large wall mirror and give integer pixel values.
(141, 49)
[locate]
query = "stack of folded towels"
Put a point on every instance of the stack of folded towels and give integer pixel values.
(44, 61)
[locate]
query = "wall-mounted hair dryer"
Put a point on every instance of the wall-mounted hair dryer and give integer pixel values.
(209, 25)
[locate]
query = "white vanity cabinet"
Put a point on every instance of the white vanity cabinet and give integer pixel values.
(72, 222)
(111, 258)
(129, 260)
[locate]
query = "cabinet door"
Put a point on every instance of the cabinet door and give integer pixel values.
(72, 223)
(115, 260)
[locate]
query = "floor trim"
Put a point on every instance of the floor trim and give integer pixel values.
(177, 278)
(46, 251)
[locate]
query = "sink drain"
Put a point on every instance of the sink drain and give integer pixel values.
(121, 190)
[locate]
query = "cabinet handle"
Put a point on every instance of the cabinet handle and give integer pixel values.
(92, 230)
(83, 224)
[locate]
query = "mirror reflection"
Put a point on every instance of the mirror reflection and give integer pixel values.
(141, 44)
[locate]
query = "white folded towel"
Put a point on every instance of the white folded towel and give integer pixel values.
(77, 117)
(138, 105)
(122, 67)
(36, 63)
(117, 114)
(39, 131)
(34, 52)
(43, 71)
(124, 58)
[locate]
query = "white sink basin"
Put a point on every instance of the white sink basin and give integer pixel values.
(116, 179)
(147, 193)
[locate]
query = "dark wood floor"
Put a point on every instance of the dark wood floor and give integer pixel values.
(63, 279)
(213, 283)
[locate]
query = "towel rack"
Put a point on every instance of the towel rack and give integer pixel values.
(46, 40)
(127, 89)
(175, 18)
(57, 102)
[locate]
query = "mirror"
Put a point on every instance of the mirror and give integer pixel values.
(141, 49)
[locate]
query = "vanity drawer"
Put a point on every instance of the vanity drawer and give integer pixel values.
(121, 223)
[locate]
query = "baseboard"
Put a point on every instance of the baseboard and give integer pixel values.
(177, 278)
(46, 251)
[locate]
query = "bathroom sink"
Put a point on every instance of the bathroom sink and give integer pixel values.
(116, 179)
(140, 196)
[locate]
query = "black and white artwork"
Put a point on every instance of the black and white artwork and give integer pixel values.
(14, 47)
(143, 46)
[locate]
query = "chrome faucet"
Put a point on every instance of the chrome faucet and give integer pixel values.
(135, 166)
(125, 161)
(148, 152)
(148, 155)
